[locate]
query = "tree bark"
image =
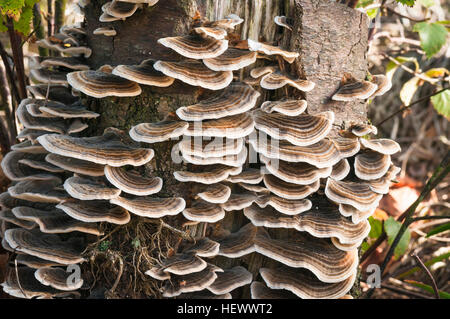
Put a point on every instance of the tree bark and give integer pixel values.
(330, 37)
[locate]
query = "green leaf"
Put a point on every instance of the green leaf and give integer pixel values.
(12, 8)
(392, 67)
(407, 2)
(364, 3)
(427, 263)
(376, 227)
(439, 229)
(432, 37)
(104, 245)
(427, 3)
(428, 288)
(391, 227)
(441, 103)
(364, 246)
(408, 90)
(24, 23)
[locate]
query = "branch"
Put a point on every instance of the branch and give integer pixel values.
(406, 17)
(9, 73)
(405, 107)
(430, 276)
(439, 174)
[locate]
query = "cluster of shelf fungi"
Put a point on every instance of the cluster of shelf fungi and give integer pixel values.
(269, 160)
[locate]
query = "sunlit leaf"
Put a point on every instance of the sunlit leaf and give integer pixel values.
(437, 72)
(432, 37)
(427, 3)
(408, 90)
(391, 227)
(392, 66)
(439, 229)
(428, 288)
(407, 2)
(376, 227)
(441, 103)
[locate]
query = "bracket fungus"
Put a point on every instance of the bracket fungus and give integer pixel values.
(195, 47)
(132, 182)
(143, 73)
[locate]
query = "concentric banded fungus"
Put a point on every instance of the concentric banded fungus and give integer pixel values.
(320, 256)
(195, 47)
(132, 182)
(356, 215)
(203, 247)
(121, 9)
(381, 185)
(216, 194)
(21, 283)
(95, 211)
(70, 50)
(234, 126)
(100, 84)
(238, 244)
(345, 247)
(230, 21)
(30, 134)
(382, 145)
(289, 190)
(276, 80)
(38, 191)
(231, 60)
(215, 148)
(57, 278)
(208, 175)
(68, 111)
(355, 90)
(229, 160)
(76, 165)
(159, 131)
(67, 62)
(383, 82)
(34, 262)
(262, 70)
(324, 222)
(190, 283)
(49, 76)
(272, 50)
(55, 93)
(29, 147)
(355, 194)
(302, 130)
(201, 211)
(304, 284)
(89, 189)
(47, 124)
(258, 290)
(284, 22)
(45, 246)
(54, 221)
(297, 173)
(106, 31)
(362, 129)
(143, 73)
(286, 107)
(235, 99)
(107, 149)
(248, 176)
(211, 32)
(41, 164)
(195, 73)
(152, 207)
(8, 216)
(16, 171)
(371, 165)
(340, 170)
(238, 201)
(183, 264)
(324, 153)
(283, 205)
(230, 279)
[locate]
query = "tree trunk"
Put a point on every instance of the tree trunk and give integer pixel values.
(330, 37)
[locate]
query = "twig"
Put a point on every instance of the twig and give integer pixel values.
(404, 291)
(18, 280)
(406, 17)
(409, 70)
(116, 282)
(429, 217)
(9, 73)
(439, 174)
(430, 276)
(405, 107)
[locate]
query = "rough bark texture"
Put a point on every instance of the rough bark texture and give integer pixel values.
(330, 37)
